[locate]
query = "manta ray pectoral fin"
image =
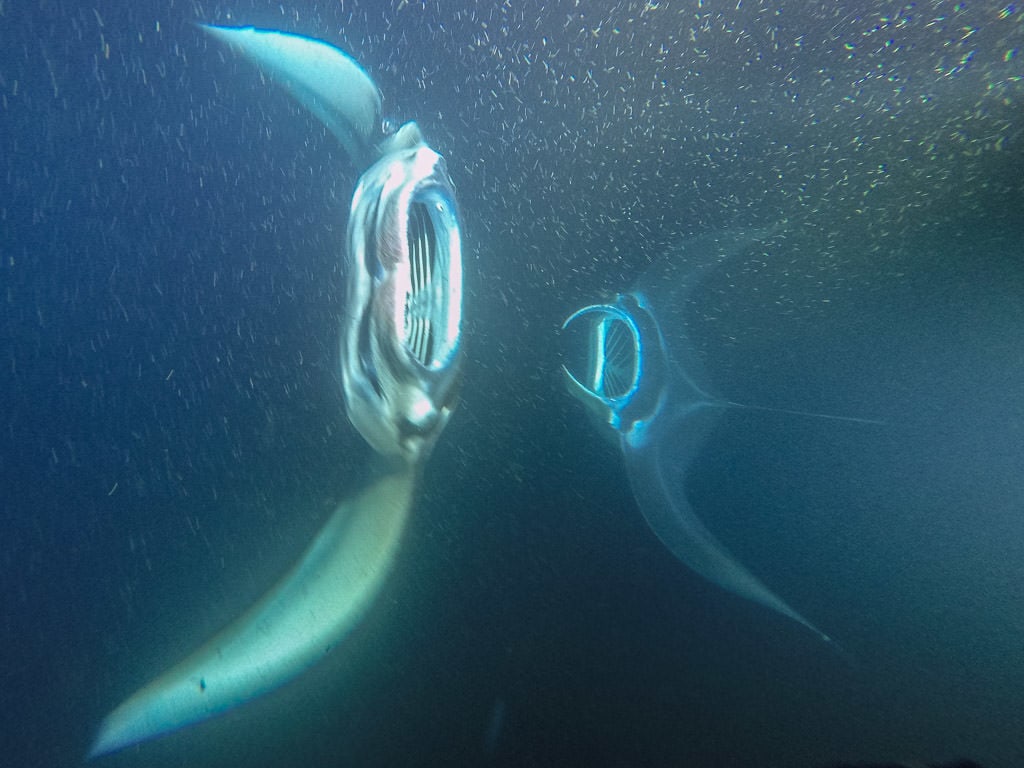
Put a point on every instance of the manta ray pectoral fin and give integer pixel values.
(308, 612)
(324, 79)
(668, 512)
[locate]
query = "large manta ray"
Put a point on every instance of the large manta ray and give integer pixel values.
(400, 367)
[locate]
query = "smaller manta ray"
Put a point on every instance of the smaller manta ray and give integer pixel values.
(638, 378)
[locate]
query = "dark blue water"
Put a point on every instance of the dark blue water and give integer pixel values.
(173, 431)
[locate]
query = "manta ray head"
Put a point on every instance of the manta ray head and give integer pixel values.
(616, 364)
(401, 335)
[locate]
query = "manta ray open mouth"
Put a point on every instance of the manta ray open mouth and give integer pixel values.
(610, 367)
(400, 343)
(429, 334)
(616, 365)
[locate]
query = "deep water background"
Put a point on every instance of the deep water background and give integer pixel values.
(173, 432)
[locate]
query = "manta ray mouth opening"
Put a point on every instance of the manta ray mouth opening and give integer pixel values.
(432, 312)
(605, 353)
(615, 369)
